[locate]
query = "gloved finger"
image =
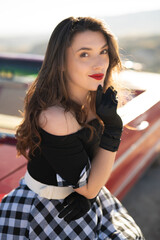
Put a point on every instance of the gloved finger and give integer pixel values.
(66, 210)
(107, 97)
(110, 97)
(60, 207)
(99, 95)
(113, 90)
(79, 215)
(72, 215)
(114, 95)
(69, 199)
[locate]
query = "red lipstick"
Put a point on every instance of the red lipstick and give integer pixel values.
(97, 76)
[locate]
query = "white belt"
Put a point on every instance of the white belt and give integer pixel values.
(47, 191)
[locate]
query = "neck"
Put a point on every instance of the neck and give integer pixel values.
(81, 99)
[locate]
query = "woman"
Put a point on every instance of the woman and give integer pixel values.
(70, 134)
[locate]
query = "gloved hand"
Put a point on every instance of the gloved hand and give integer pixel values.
(74, 207)
(106, 109)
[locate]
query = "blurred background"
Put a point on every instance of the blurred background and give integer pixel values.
(25, 27)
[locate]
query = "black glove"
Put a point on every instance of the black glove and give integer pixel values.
(74, 207)
(106, 109)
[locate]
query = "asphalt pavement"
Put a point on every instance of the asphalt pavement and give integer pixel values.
(143, 202)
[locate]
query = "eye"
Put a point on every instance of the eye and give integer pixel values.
(84, 54)
(104, 51)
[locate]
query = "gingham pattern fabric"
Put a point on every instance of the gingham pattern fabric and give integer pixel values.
(25, 215)
(83, 178)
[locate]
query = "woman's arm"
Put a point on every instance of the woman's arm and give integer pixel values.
(100, 171)
(106, 108)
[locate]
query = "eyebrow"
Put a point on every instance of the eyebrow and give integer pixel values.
(89, 49)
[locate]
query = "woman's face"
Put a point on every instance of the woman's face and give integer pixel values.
(87, 62)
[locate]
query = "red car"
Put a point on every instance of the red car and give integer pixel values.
(140, 139)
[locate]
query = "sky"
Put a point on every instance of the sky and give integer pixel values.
(28, 17)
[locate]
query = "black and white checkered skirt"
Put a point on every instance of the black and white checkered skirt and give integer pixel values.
(25, 215)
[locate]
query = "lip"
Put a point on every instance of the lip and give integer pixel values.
(97, 76)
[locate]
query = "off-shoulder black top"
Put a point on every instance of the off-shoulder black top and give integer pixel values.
(65, 160)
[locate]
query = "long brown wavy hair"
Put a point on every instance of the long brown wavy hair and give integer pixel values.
(50, 86)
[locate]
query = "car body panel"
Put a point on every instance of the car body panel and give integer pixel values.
(140, 141)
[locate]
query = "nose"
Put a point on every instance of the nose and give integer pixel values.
(98, 64)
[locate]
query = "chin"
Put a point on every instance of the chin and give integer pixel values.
(94, 88)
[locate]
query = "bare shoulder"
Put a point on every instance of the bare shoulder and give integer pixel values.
(58, 122)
